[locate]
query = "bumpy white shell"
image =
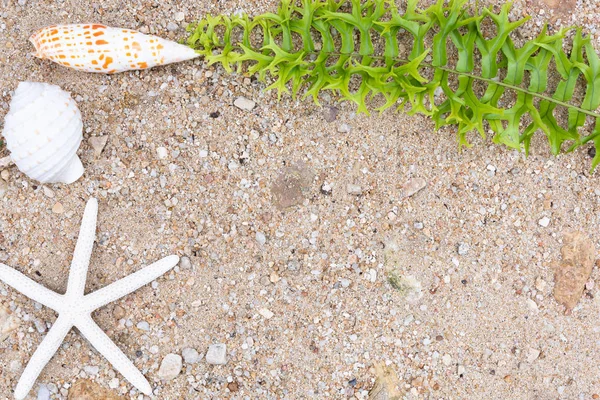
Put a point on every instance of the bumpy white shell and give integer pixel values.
(43, 131)
(102, 49)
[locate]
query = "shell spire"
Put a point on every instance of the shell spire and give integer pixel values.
(102, 49)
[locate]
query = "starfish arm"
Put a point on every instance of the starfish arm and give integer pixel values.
(129, 284)
(113, 354)
(83, 249)
(42, 355)
(29, 288)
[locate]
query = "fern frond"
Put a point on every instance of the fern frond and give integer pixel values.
(317, 45)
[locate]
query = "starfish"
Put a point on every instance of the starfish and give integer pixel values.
(74, 308)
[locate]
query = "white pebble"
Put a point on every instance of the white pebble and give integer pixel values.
(261, 238)
(244, 104)
(162, 153)
(544, 222)
(190, 356)
(265, 312)
(216, 354)
(170, 367)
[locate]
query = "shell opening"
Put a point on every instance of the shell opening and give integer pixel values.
(33, 41)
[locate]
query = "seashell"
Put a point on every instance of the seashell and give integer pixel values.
(43, 130)
(102, 49)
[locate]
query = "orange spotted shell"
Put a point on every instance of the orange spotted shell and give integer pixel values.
(102, 49)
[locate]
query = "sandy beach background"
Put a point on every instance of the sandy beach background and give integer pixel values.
(291, 219)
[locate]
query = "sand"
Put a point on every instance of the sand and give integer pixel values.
(300, 295)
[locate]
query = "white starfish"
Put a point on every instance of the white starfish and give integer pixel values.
(74, 308)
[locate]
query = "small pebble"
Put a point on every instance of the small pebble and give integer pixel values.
(162, 153)
(413, 186)
(58, 208)
(216, 354)
(190, 355)
(344, 128)
(118, 312)
(98, 143)
(185, 263)
(48, 192)
(172, 26)
(533, 355)
(43, 393)
(170, 367)
(179, 16)
(330, 113)
(354, 190)
(265, 312)
(143, 326)
(462, 249)
(261, 238)
(244, 104)
(91, 370)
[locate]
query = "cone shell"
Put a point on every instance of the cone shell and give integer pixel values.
(102, 49)
(43, 131)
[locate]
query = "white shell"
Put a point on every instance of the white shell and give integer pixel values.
(102, 49)
(43, 131)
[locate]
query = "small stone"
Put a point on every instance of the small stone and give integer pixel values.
(172, 26)
(15, 365)
(265, 312)
(540, 284)
(118, 312)
(412, 186)
(244, 104)
(98, 143)
(162, 153)
(532, 355)
(91, 370)
(190, 355)
(345, 282)
(143, 326)
(571, 275)
(330, 113)
(532, 305)
(462, 249)
(40, 326)
(170, 367)
(22, 2)
(216, 354)
(326, 189)
(233, 387)
(344, 128)
(48, 192)
(58, 208)
(545, 221)
(447, 360)
(354, 190)
(261, 238)
(43, 393)
(179, 16)
(460, 370)
(185, 263)
(292, 186)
